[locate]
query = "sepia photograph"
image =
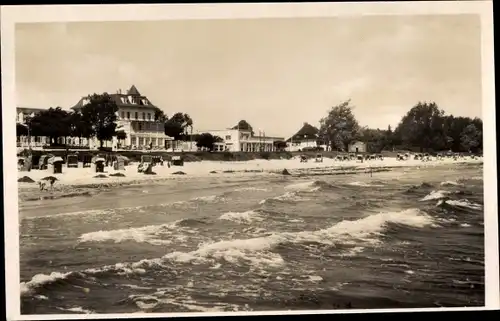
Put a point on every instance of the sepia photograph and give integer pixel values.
(219, 159)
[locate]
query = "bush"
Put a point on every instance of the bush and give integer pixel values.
(227, 156)
(265, 155)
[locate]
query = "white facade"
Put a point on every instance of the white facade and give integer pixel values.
(142, 132)
(357, 147)
(237, 140)
(295, 146)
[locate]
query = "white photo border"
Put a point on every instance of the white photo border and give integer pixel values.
(10, 15)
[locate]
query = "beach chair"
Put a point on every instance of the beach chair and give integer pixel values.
(177, 161)
(55, 164)
(98, 163)
(72, 161)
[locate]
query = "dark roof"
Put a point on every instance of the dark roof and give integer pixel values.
(117, 98)
(242, 124)
(133, 91)
(307, 132)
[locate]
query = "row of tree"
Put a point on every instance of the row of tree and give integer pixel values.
(95, 119)
(425, 127)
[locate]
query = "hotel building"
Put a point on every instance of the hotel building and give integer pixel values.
(136, 117)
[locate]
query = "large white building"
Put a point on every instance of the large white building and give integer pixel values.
(243, 139)
(136, 117)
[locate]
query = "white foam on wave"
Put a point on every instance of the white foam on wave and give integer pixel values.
(77, 309)
(208, 199)
(465, 203)
(251, 189)
(242, 217)
(148, 302)
(146, 234)
(136, 287)
(287, 196)
(41, 279)
(451, 183)
(435, 195)
(256, 251)
(303, 187)
(363, 184)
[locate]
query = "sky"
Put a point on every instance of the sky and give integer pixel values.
(274, 73)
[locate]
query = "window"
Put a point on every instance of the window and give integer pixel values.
(140, 126)
(136, 115)
(123, 114)
(228, 137)
(128, 115)
(144, 115)
(149, 116)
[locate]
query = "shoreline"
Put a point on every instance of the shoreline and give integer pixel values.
(81, 181)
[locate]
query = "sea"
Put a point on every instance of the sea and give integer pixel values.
(405, 238)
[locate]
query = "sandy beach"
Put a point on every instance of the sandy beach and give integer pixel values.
(83, 181)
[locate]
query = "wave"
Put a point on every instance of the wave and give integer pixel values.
(242, 217)
(435, 195)
(206, 199)
(76, 309)
(251, 189)
(451, 183)
(151, 234)
(464, 203)
(310, 186)
(253, 251)
(286, 197)
(257, 251)
(423, 186)
(362, 184)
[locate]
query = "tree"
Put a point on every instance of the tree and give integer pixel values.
(160, 115)
(470, 138)
(422, 127)
(177, 126)
(100, 116)
(21, 130)
(121, 135)
(339, 127)
(78, 127)
(53, 123)
(207, 140)
(375, 139)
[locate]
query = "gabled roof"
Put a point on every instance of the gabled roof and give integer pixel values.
(133, 91)
(122, 100)
(307, 132)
